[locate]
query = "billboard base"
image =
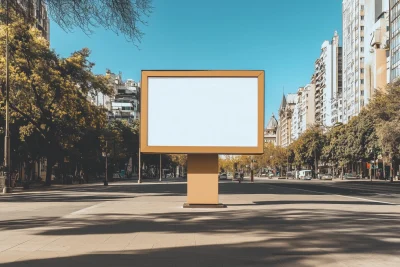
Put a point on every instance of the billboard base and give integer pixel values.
(204, 206)
(202, 180)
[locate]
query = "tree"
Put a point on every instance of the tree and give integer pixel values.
(49, 95)
(121, 16)
(308, 147)
(385, 110)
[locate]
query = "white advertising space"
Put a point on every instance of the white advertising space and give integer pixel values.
(203, 111)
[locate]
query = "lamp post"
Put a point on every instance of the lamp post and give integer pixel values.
(106, 175)
(7, 186)
(160, 169)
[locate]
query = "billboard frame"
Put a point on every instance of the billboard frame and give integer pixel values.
(146, 74)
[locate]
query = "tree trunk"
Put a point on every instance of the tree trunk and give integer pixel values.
(49, 169)
(315, 164)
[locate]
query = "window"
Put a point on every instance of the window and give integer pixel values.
(362, 92)
(362, 28)
(362, 70)
(362, 49)
(362, 17)
(362, 39)
(362, 82)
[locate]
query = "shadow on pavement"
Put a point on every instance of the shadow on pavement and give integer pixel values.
(284, 237)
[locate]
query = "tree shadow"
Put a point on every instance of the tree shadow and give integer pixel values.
(284, 237)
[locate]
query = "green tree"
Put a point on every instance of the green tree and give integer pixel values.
(49, 93)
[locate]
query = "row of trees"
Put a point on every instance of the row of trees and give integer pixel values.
(50, 115)
(373, 134)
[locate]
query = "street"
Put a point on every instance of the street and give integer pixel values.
(266, 223)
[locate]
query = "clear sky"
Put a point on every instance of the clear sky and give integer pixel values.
(281, 37)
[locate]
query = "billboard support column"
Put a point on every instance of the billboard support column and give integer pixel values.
(202, 181)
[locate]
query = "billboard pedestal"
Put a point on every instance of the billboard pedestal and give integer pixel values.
(202, 181)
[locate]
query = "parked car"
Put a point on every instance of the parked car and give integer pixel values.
(325, 176)
(223, 176)
(305, 174)
(291, 175)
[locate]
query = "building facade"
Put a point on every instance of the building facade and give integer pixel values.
(353, 57)
(394, 40)
(270, 131)
(284, 133)
(377, 56)
(124, 103)
(36, 9)
(328, 82)
(303, 113)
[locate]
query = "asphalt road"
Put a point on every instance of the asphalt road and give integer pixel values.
(373, 191)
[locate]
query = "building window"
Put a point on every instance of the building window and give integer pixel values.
(362, 49)
(362, 40)
(362, 28)
(362, 82)
(362, 70)
(362, 17)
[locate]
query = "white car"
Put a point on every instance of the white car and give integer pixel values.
(305, 174)
(223, 176)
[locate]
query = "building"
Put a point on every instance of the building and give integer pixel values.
(303, 113)
(394, 39)
(36, 9)
(377, 56)
(328, 83)
(353, 57)
(271, 131)
(284, 133)
(124, 103)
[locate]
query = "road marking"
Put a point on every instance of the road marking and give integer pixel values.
(359, 198)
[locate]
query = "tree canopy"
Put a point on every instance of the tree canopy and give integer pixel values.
(120, 16)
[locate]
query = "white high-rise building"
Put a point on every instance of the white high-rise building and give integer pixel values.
(328, 83)
(394, 39)
(353, 57)
(303, 113)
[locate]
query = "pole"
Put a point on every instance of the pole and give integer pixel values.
(106, 176)
(252, 169)
(7, 186)
(375, 165)
(140, 168)
(160, 168)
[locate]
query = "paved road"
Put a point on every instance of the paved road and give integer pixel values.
(268, 223)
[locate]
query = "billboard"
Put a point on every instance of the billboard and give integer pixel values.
(214, 112)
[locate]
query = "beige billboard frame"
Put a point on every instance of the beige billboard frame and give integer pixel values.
(195, 149)
(202, 180)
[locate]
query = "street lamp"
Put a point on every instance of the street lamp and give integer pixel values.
(7, 186)
(106, 154)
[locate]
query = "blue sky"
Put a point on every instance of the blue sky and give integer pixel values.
(281, 37)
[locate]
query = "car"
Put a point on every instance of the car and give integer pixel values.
(325, 176)
(305, 174)
(223, 176)
(290, 175)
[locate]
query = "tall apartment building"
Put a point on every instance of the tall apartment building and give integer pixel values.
(284, 134)
(36, 9)
(303, 113)
(124, 104)
(328, 83)
(377, 56)
(394, 40)
(353, 57)
(271, 130)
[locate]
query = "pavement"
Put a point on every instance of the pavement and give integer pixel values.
(266, 223)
